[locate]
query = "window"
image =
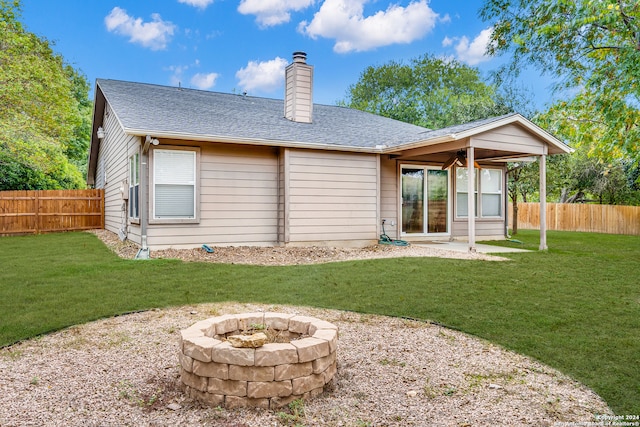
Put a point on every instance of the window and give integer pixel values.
(425, 200)
(134, 186)
(491, 191)
(462, 185)
(174, 184)
(489, 182)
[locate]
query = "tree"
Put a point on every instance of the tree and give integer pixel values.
(591, 179)
(43, 110)
(524, 181)
(77, 147)
(429, 91)
(593, 173)
(592, 47)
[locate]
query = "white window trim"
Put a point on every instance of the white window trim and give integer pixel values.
(152, 186)
(499, 193)
(478, 194)
(425, 167)
(133, 219)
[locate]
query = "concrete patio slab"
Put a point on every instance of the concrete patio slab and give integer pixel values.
(464, 247)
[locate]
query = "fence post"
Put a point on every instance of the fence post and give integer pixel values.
(37, 212)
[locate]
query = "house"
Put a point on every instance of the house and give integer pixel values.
(182, 167)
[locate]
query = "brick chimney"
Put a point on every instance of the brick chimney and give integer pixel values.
(298, 92)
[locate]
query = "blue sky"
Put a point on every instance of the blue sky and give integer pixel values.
(244, 45)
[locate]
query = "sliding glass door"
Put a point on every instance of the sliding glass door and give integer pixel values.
(420, 214)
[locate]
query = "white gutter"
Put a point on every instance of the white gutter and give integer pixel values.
(250, 141)
(420, 144)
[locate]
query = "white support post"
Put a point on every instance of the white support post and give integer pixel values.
(543, 203)
(471, 201)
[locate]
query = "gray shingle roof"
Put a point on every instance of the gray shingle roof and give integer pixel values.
(452, 130)
(171, 110)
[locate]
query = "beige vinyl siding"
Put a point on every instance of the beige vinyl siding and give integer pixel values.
(283, 234)
(333, 196)
(510, 138)
(113, 172)
(389, 198)
(485, 228)
(238, 200)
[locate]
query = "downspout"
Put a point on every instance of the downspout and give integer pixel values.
(143, 253)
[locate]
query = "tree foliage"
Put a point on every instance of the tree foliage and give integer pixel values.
(44, 111)
(593, 173)
(592, 47)
(429, 91)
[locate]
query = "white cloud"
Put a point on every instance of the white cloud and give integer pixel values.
(154, 35)
(263, 76)
(178, 72)
(272, 12)
(204, 81)
(202, 4)
(344, 21)
(446, 42)
(475, 52)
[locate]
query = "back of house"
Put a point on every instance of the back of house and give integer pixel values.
(183, 167)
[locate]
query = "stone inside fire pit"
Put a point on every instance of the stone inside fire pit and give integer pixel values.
(297, 364)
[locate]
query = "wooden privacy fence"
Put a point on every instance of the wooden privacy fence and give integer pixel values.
(610, 219)
(45, 211)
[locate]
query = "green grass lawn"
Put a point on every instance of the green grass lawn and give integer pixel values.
(575, 307)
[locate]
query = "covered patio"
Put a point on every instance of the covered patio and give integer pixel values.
(475, 146)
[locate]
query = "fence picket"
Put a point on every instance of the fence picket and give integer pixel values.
(43, 211)
(610, 219)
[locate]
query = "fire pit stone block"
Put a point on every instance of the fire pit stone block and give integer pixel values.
(271, 376)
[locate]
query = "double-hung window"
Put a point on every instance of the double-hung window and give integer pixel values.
(491, 192)
(488, 185)
(174, 185)
(462, 188)
(134, 186)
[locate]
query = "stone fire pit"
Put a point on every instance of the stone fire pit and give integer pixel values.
(297, 366)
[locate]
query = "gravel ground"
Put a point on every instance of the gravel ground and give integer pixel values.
(123, 371)
(284, 255)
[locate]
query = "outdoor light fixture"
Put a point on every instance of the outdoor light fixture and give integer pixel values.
(149, 141)
(100, 133)
(459, 159)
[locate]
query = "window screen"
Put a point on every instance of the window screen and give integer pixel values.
(491, 187)
(134, 186)
(174, 174)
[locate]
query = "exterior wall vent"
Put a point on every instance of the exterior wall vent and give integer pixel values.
(298, 95)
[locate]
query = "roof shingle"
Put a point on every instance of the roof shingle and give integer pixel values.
(147, 108)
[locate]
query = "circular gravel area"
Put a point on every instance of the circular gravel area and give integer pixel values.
(124, 371)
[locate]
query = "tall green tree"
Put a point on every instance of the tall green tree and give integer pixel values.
(43, 110)
(523, 183)
(594, 173)
(592, 48)
(428, 91)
